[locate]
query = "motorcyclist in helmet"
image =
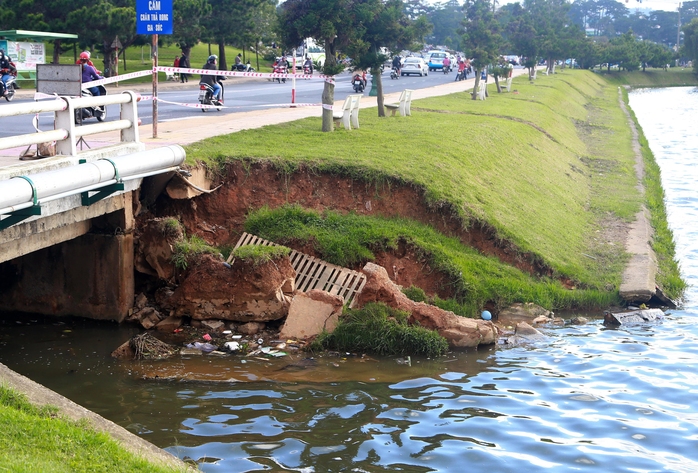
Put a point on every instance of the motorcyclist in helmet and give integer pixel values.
(212, 80)
(308, 64)
(86, 55)
(7, 70)
(89, 73)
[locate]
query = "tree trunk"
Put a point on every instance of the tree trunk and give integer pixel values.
(222, 63)
(56, 51)
(496, 82)
(477, 83)
(376, 73)
(327, 102)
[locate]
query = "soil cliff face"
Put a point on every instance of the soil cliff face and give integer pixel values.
(241, 292)
(219, 217)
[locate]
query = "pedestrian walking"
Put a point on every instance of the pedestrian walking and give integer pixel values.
(184, 64)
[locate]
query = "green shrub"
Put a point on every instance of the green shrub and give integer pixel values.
(257, 255)
(380, 330)
(415, 293)
(171, 228)
(190, 248)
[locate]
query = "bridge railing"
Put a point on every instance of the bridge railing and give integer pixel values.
(67, 132)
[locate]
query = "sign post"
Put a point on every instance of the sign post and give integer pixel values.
(154, 17)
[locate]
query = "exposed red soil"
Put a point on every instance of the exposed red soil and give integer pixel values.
(219, 217)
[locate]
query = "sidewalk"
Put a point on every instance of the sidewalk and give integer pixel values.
(205, 125)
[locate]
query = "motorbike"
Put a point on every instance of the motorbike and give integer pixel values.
(307, 70)
(394, 74)
(8, 90)
(100, 112)
(279, 70)
(206, 96)
(358, 84)
(447, 69)
(242, 67)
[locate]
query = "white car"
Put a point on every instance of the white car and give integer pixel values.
(414, 65)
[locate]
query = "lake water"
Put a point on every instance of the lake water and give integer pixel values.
(588, 398)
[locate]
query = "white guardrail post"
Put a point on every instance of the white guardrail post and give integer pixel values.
(65, 119)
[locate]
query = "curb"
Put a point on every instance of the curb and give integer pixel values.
(41, 395)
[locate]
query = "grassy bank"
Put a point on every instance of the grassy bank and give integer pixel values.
(672, 77)
(550, 167)
(37, 439)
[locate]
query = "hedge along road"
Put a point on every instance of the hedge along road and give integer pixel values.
(241, 95)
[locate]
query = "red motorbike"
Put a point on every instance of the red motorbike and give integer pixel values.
(280, 69)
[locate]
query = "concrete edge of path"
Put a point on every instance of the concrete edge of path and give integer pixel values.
(40, 395)
(639, 277)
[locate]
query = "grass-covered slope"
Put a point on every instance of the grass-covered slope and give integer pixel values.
(549, 166)
(37, 439)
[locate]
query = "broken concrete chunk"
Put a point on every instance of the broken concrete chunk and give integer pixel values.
(170, 324)
(632, 316)
(310, 313)
(124, 352)
(528, 312)
(250, 328)
(213, 325)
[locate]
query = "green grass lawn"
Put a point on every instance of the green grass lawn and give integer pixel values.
(547, 166)
(37, 439)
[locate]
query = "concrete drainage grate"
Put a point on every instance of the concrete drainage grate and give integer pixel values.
(313, 273)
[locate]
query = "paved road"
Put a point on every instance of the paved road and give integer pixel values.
(241, 95)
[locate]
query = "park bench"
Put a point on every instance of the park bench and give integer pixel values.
(349, 113)
(403, 104)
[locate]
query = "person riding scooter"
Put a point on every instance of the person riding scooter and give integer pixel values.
(7, 70)
(86, 55)
(89, 73)
(212, 80)
(308, 65)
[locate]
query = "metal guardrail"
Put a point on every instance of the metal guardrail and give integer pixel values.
(67, 133)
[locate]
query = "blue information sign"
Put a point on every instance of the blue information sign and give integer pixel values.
(154, 16)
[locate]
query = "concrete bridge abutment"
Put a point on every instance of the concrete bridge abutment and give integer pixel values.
(81, 266)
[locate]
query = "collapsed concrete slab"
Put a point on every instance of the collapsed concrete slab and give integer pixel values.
(310, 313)
(632, 316)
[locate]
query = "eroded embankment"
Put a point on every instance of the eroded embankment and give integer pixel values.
(219, 217)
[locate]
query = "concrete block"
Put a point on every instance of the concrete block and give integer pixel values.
(310, 314)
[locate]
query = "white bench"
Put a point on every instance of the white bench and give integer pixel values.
(348, 115)
(403, 105)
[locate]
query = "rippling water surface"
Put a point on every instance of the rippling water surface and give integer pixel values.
(588, 398)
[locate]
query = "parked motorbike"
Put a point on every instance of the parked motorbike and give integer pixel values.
(206, 96)
(394, 74)
(358, 84)
(8, 90)
(242, 67)
(100, 113)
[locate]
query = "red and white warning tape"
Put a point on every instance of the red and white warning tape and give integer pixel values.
(119, 78)
(178, 70)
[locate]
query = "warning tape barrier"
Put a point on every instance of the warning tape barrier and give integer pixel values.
(267, 75)
(179, 70)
